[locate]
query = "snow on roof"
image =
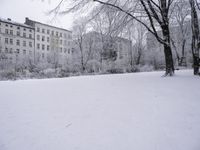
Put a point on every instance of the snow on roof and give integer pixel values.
(15, 23)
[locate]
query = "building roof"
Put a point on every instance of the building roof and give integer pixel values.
(48, 25)
(9, 21)
(104, 35)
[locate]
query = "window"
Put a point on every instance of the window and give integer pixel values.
(38, 46)
(61, 49)
(6, 31)
(18, 28)
(6, 50)
(24, 43)
(38, 37)
(65, 35)
(60, 34)
(24, 52)
(24, 34)
(65, 42)
(69, 36)
(43, 31)
(11, 50)
(68, 43)
(43, 46)
(18, 33)
(24, 29)
(30, 44)
(43, 38)
(18, 42)
(30, 36)
(47, 47)
(30, 30)
(11, 26)
(17, 51)
(65, 50)
(56, 33)
(11, 32)
(52, 32)
(68, 51)
(6, 40)
(47, 39)
(60, 41)
(38, 29)
(48, 31)
(6, 25)
(11, 41)
(42, 55)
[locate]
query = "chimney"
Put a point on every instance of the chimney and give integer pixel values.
(8, 19)
(26, 19)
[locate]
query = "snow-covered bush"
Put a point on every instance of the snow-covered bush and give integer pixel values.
(93, 66)
(7, 75)
(146, 68)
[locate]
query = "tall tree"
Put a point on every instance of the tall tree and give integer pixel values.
(157, 13)
(195, 36)
(83, 46)
(180, 17)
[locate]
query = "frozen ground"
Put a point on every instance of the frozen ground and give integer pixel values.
(141, 111)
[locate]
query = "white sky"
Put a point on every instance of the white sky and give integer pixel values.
(17, 10)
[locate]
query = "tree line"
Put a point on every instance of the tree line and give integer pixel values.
(154, 15)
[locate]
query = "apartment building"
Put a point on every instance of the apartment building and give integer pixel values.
(16, 42)
(121, 46)
(52, 44)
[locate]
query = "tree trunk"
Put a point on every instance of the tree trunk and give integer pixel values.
(195, 54)
(139, 56)
(195, 37)
(168, 51)
(183, 48)
(175, 49)
(168, 60)
(183, 59)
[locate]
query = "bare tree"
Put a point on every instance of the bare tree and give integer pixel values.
(181, 13)
(84, 48)
(155, 15)
(139, 43)
(53, 57)
(195, 35)
(157, 12)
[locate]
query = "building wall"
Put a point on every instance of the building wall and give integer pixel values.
(122, 46)
(51, 43)
(16, 42)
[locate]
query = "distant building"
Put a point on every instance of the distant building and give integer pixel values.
(120, 45)
(33, 41)
(51, 43)
(16, 41)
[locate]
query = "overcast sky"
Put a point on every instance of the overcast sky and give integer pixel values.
(17, 10)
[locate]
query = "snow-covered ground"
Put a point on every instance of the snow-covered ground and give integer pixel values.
(141, 111)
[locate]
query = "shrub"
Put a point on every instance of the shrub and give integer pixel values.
(8, 75)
